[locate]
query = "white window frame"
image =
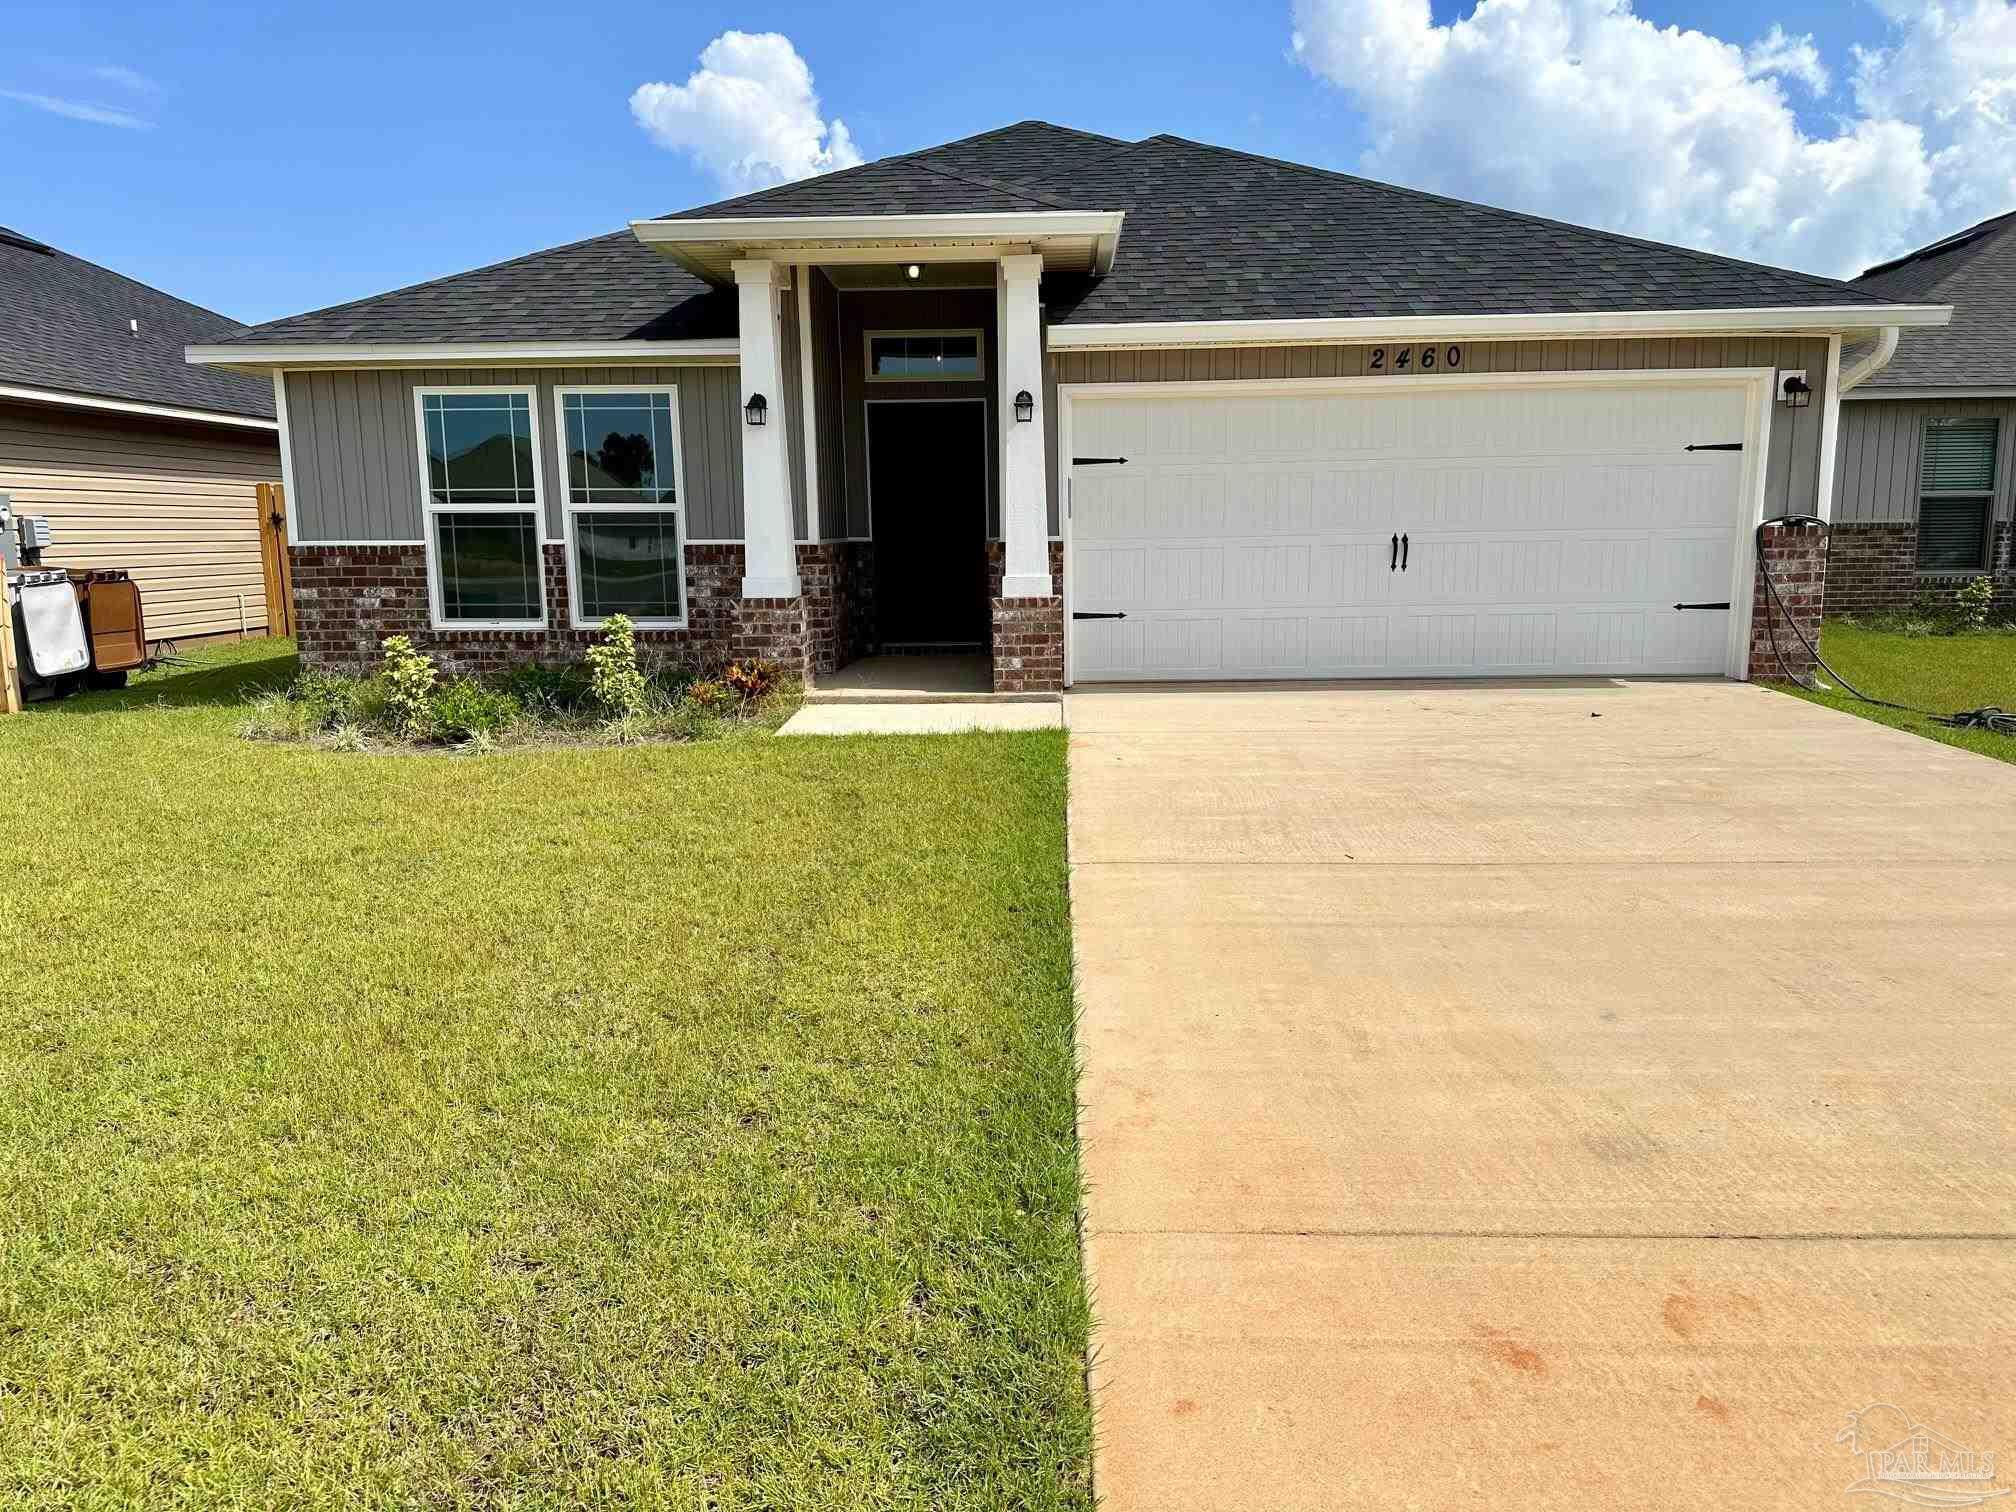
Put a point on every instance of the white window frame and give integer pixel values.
(978, 375)
(569, 509)
(1986, 563)
(429, 509)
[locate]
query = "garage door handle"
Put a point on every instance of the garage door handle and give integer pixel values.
(1723, 605)
(1394, 564)
(1082, 615)
(1403, 553)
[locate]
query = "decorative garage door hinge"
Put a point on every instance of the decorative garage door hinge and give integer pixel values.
(1081, 614)
(1723, 605)
(1097, 461)
(1717, 446)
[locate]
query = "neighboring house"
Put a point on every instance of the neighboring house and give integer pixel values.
(139, 460)
(1106, 409)
(1927, 460)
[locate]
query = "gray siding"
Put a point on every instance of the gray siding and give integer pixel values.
(828, 407)
(1794, 460)
(910, 310)
(356, 454)
(790, 361)
(1876, 455)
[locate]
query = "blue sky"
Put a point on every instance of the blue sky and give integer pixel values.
(294, 160)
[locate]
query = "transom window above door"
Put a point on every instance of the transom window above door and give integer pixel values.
(924, 356)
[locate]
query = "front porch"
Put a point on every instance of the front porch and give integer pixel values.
(897, 475)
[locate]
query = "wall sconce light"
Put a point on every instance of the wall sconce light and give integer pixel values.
(757, 410)
(1796, 391)
(1025, 406)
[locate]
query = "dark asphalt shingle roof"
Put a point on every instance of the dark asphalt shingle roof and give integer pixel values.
(1975, 272)
(65, 325)
(1210, 234)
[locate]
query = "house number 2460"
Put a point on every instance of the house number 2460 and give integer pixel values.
(1409, 359)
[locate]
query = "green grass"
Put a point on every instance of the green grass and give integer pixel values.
(670, 1126)
(1944, 673)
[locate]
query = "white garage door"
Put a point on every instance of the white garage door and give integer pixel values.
(1476, 531)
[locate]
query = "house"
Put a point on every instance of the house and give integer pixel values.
(1105, 410)
(139, 460)
(1926, 472)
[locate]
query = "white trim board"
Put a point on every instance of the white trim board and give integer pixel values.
(1863, 391)
(443, 354)
(1758, 383)
(65, 400)
(1818, 320)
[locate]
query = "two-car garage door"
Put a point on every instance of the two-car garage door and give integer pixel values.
(1527, 529)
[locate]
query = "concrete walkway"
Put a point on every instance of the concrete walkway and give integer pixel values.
(1572, 1096)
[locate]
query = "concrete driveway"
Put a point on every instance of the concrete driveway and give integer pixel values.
(1576, 1095)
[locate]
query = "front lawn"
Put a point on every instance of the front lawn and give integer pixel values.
(669, 1126)
(1944, 673)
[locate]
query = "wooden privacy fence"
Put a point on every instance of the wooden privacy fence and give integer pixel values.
(280, 618)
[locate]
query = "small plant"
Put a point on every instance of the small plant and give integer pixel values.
(1971, 603)
(548, 687)
(409, 686)
(466, 709)
(615, 682)
(710, 696)
(325, 699)
(751, 680)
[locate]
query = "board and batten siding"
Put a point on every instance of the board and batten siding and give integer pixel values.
(828, 406)
(356, 453)
(1876, 455)
(1791, 485)
(175, 505)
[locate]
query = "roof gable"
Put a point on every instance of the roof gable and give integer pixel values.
(69, 325)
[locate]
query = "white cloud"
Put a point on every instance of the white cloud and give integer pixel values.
(79, 110)
(748, 114)
(1583, 110)
(1788, 56)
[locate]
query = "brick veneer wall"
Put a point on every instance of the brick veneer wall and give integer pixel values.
(1796, 558)
(350, 598)
(1027, 633)
(1873, 569)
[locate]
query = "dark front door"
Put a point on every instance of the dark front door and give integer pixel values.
(927, 488)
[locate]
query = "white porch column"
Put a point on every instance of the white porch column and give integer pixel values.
(1025, 529)
(770, 542)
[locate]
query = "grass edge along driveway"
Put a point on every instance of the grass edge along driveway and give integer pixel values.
(683, 1127)
(1944, 673)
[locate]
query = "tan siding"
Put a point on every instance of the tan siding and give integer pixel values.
(177, 506)
(1876, 455)
(357, 458)
(1792, 465)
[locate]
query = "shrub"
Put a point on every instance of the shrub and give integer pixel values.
(466, 709)
(750, 680)
(615, 682)
(324, 699)
(709, 696)
(1971, 603)
(548, 687)
(409, 686)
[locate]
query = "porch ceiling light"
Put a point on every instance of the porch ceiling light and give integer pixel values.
(1025, 406)
(757, 410)
(1797, 392)
(914, 271)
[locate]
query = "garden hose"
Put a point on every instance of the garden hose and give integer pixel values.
(1989, 717)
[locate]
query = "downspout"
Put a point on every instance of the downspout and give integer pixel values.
(1873, 361)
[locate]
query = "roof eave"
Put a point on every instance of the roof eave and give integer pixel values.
(66, 399)
(1935, 391)
(264, 357)
(708, 247)
(1850, 321)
